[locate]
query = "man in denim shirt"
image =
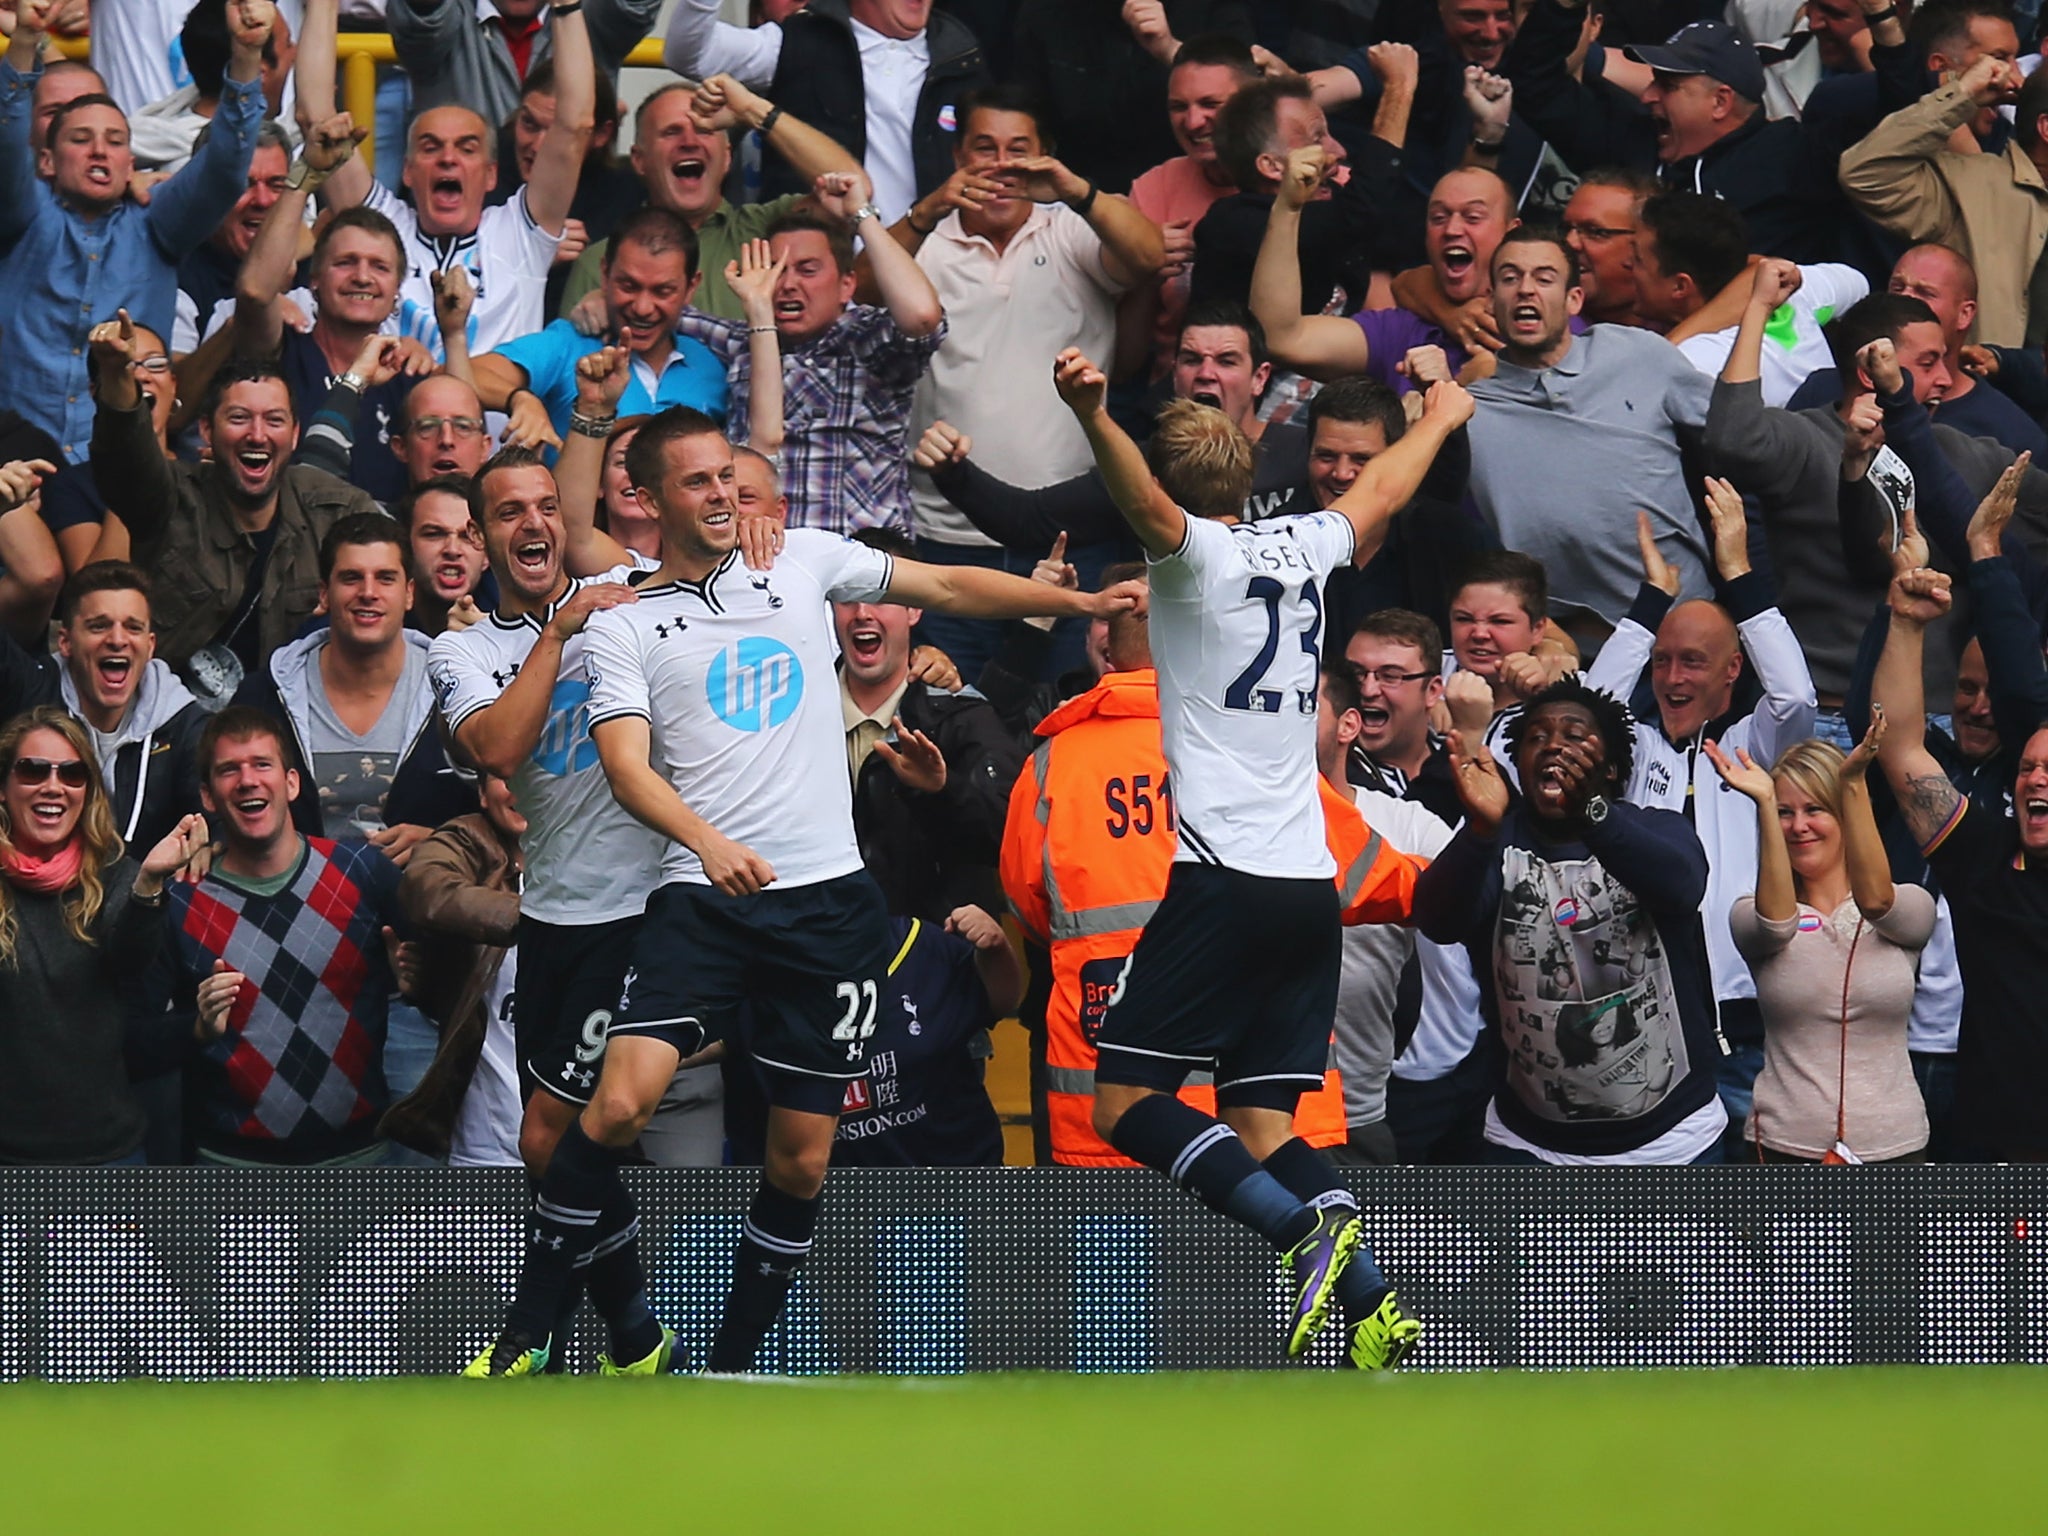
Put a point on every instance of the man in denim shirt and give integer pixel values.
(73, 248)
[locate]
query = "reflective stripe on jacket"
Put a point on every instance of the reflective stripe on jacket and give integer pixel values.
(1086, 852)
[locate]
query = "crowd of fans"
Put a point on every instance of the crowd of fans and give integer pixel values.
(1704, 668)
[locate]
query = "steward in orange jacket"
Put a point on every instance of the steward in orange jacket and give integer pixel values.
(1086, 851)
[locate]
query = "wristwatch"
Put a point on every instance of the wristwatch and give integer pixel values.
(863, 212)
(352, 380)
(302, 175)
(1596, 810)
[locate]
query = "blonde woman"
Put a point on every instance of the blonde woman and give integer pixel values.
(1833, 943)
(79, 921)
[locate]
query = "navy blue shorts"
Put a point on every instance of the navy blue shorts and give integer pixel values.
(807, 961)
(562, 998)
(1235, 973)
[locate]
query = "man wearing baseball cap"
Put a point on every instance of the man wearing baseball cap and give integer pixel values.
(1704, 129)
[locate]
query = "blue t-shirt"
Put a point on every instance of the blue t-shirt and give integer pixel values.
(694, 376)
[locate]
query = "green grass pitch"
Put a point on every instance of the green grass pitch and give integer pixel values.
(1821, 1453)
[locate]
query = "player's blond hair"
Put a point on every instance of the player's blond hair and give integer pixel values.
(1201, 459)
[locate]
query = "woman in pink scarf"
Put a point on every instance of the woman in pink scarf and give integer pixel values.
(79, 924)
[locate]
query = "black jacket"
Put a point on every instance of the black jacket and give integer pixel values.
(1774, 173)
(930, 853)
(157, 760)
(818, 79)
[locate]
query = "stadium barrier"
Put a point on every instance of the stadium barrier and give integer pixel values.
(214, 1273)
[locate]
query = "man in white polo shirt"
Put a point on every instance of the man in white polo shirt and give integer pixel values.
(1036, 265)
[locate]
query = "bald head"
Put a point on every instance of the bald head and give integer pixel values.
(1945, 282)
(1693, 666)
(1469, 212)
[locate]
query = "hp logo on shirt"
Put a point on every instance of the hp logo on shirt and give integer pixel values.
(755, 683)
(565, 745)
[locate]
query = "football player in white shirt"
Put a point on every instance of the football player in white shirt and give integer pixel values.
(512, 692)
(715, 715)
(451, 165)
(1238, 968)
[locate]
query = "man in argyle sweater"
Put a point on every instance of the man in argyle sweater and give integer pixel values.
(277, 962)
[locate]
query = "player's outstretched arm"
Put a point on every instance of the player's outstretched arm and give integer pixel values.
(498, 739)
(624, 744)
(1161, 526)
(975, 593)
(1390, 481)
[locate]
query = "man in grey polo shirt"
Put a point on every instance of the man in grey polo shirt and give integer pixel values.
(1574, 433)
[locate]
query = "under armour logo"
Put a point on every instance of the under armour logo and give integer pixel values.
(503, 678)
(674, 627)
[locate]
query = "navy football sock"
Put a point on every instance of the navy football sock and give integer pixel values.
(618, 1284)
(1309, 1179)
(775, 1240)
(1203, 1155)
(561, 1228)
(572, 1301)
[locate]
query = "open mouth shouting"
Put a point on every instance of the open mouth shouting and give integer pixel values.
(864, 642)
(451, 579)
(534, 561)
(116, 674)
(2032, 811)
(1458, 261)
(688, 172)
(445, 196)
(1525, 322)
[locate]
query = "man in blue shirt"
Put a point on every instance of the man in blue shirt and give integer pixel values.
(650, 273)
(73, 249)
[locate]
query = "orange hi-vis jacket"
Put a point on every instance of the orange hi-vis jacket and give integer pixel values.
(1086, 852)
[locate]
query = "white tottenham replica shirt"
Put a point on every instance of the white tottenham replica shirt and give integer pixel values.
(587, 861)
(734, 676)
(1236, 627)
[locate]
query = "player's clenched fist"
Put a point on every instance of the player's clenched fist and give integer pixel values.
(734, 867)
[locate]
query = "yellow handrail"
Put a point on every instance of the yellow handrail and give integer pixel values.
(360, 54)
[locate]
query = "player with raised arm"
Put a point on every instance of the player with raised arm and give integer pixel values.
(714, 714)
(512, 690)
(1237, 969)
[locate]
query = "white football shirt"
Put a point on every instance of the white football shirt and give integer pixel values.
(1237, 628)
(507, 259)
(587, 861)
(734, 676)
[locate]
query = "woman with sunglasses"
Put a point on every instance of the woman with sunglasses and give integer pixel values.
(79, 922)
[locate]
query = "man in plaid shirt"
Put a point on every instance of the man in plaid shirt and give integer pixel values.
(848, 370)
(279, 952)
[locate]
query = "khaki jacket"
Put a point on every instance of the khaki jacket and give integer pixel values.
(1992, 208)
(184, 534)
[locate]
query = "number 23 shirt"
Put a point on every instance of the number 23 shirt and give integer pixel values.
(1236, 628)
